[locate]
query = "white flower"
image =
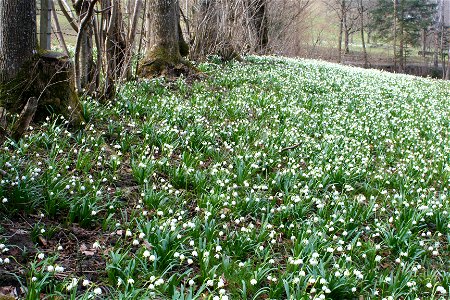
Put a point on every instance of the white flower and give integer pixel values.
(50, 268)
(253, 281)
(130, 281)
(96, 245)
(59, 269)
(146, 253)
(98, 291)
(220, 283)
(41, 255)
(86, 282)
(441, 289)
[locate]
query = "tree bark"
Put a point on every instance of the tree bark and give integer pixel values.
(341, 30)
(210, 37)
(17, 36)
(401, 47)
(258, 16)
(395, 34)
(115, 45)
(363, 41)
(25, 74)
(84, 54)
(164, 39)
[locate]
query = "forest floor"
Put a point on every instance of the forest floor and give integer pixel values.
(271, 178)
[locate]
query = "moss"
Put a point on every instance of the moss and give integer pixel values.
(162, 61)
(49, 77)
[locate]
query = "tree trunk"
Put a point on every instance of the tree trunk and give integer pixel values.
(341, 30)
(87, 65)
(395, 34)
(361, 16)
(115, 45)
(210, 37)
(258, 16)
(424, 42)
(17, 36)
(447, 73)
(346, 34)
(25, 74)
(401, 47)
(163, 54)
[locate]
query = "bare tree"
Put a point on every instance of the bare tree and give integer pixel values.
(211, 34)
(84, 50)
(341, 9)
(362, 9)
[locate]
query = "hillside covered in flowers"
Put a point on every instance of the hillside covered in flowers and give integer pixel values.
(269, 178)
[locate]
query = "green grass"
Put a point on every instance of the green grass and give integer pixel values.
(205, 201)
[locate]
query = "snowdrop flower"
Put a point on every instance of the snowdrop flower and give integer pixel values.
(59, 269)
(441, 289)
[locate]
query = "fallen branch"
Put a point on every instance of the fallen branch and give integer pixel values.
(25, 118)
(290, 147)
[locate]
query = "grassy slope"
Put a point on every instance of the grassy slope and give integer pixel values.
(197, 186)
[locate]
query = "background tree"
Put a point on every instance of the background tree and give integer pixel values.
(212, 37)
(407, 17)
(342, 9)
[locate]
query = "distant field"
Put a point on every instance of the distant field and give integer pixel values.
(270, 179)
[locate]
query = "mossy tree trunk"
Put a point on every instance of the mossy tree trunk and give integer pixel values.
(165, 39)
(26, 73)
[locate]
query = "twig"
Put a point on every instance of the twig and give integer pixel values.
(65, 8)
(291, 147)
